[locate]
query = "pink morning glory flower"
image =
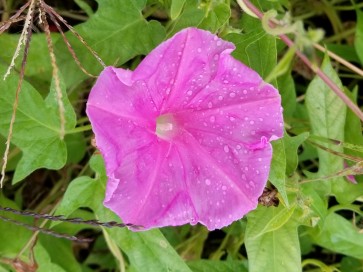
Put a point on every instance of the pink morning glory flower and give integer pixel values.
(185, 137)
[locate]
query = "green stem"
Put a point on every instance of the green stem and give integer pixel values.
(355, 7)
(341, 35)
(304, 16)
(333, 17)
(350, 207)
(79, 129)
(150, 11)
(321, 265)
(82, 120)
(354, 76)
(72, 15)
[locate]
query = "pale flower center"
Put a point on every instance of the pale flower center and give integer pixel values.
(166, 127)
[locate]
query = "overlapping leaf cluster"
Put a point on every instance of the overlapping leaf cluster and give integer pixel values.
(318, 222)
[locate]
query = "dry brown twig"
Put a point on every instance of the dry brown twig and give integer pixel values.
(40, 8)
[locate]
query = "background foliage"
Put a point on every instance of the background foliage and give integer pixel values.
(318, 223)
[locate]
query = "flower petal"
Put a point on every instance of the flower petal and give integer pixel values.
(119, 114)
(167, 184)
(185, 136)
(235, 105)
(181, 66)
(115, 92)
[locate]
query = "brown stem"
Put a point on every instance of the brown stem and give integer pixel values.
(7, 23)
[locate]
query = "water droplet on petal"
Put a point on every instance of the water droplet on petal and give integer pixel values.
(220, 98)
(232, 95)
(189, 92)
(199, 50)
(219, 43)
(226, 148)
(207, 182)
(210, 105)
(224, 187)
(212, 119)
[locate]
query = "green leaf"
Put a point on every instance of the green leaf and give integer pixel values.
(359, 35)
(85, 6)
(291, 147)
(256, 49)
(76, 147)
(353, 132)
(216, 18)
(3, 269)
(191, 16)
(14, 154)
(146, 251)
(327, 119)
(349, 264)
(283, 67)
(278, 168)
(38, 62)
(37, 125)
(286, 87)
(275, 251)
(268, 219)
(346, 51)
(100, 256)
(59, 251)
(176, 8)
(44, 261)
(117, 32)
(346, 192)
(217, 266)
(317, 202)
(339, 235)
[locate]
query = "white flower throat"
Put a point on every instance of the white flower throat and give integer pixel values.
(166, 126)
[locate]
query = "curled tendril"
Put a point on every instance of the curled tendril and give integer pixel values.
(282, 27)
